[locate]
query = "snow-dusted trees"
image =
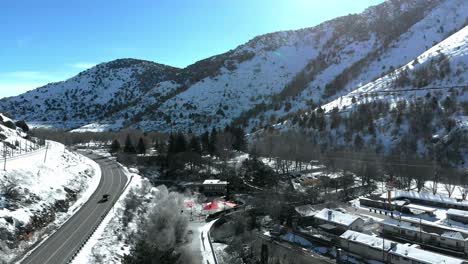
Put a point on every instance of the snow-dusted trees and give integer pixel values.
(9, 187)
(21, 124)
(162, 230)
(128, 147)
(141, 147)
(115, 146)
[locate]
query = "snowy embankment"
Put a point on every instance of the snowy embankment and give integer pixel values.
(207, 253)
(39, 192)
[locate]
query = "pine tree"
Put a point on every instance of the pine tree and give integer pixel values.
(171, 144)
(141, 146)
(115, 146)
(358, 142)
(205, 142)
(180, 143)
(129, 148)
(213, 138)
(239, 139)
(195, 145)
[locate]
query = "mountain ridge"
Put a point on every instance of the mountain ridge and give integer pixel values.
(255, 84)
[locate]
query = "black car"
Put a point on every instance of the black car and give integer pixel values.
(104, 198)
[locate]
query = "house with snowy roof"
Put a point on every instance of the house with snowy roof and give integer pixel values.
(387, 251)
(337, 222)
(305, 214)
(450, 240)
(426, 198)
(214, 186)
(458, 215)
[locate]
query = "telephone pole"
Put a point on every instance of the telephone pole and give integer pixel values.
(4, 156)
(47, 148)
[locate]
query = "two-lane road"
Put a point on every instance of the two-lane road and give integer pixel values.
(61, 246)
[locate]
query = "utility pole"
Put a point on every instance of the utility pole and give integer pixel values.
(4, 156)
(420, 231)
(383, 249)
(47, 148)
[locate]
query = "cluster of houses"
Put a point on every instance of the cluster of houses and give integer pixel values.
(448, 237)
(445, 239)
(387, 251)
(405, 201)
(347, 228)
(401, 240)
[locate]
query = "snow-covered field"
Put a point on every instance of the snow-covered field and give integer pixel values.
(44, 193)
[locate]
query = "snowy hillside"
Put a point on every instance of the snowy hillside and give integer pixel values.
(354, 63)
(410, 109)
(441, 69)
(14, 140)
(37, 197)
(94, 94)
(37, 190)
(260, 82)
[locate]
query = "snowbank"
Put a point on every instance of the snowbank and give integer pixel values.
(45, 195)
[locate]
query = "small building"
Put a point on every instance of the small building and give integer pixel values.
(215, 187)
(305, 214)
(387, 251)
(458, 215)
(366, 246)
(426, 198)
(442, 238)
(337, 222)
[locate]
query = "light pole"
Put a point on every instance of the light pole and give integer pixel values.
(47, 148)
(4, 157)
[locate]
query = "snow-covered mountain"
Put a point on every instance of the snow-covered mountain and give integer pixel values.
(415, 109)
(92, 95)
(265, 80)
(356, 63)
(441, 69)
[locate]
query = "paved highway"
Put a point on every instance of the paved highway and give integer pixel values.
(61, 246)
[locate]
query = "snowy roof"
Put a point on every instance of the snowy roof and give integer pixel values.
(403, 250)
(453, 234)
(215, 181)
(427, 227)
(372, 241)
(456, 212)
(400, 224)
(336, 217)
(426, 197)
(424, 256)
(305, 210)
(421, 208)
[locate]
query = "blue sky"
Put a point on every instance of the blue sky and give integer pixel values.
(52, 40)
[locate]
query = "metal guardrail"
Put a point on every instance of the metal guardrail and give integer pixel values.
(211, 244)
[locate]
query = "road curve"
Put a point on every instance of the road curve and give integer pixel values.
(61, 246)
